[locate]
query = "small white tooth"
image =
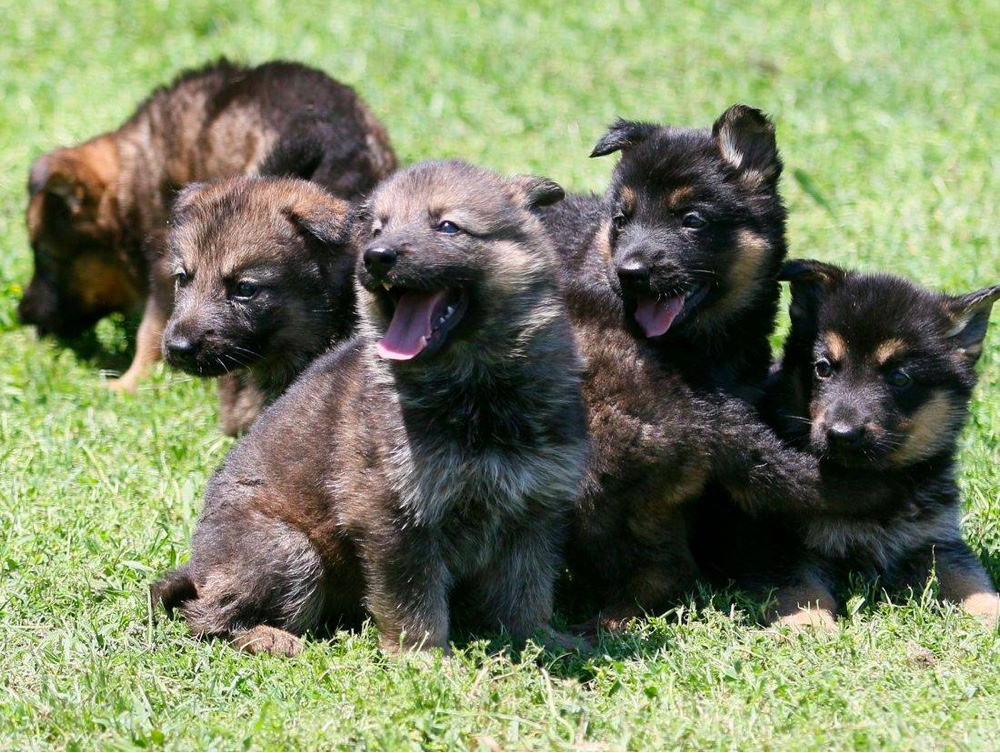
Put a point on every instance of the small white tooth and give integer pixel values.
(441, 320)
(386, 285)
(423, 341)
(451, 310)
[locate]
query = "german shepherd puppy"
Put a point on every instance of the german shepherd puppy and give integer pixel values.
(264, 282)
(432, 461)
(875, 381)
(672, 282)
(97, 212)
(695, 230)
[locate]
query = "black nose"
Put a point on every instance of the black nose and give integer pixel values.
(633, 272)
(845, 434)
(180, 348)
(379, 259)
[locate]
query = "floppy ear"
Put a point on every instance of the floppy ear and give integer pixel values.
(970, 315)
(539, 192)
(185, 197)
(622, 135)
(811, 281)
(39, 174)
(745, 136)
(323, 216)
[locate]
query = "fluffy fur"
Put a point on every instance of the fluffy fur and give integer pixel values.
(432, 462)
(97, 212)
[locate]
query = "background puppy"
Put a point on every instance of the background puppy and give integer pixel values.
(876, 378)
(264, 282)
(433, 460)
(97, 212)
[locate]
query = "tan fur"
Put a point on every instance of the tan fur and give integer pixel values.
(264, 639)
(805, 605)
(147, 348)
(888, 349)
(835, 345)
(679, 196)
(971, 589)
(628, 199)
(744, 277)
(927, 428)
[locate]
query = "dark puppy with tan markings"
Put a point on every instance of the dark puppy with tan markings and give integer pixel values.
(264, 282)
(695, 235)
(431, 462)
(97, 212)
(672, 283)
(875, 381)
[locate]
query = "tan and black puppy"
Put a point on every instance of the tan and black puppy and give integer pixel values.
(657, 444)
(433, 461)
(875, 382)
(264, 282)
(97, 212)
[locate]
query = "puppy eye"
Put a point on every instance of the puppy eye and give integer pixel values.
(899, 379)
(181, 277)
(823, 369)
(694, 221)
(619, 220)
(447, 227)
(245, 290)
(376, 231)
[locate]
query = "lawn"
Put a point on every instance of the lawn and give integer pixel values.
(888, 119)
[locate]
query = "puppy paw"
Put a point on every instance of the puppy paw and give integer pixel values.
(122, 384)
(985, 606)
(265, 639)
(806, 619)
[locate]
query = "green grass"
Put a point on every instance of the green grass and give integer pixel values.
(888, 122)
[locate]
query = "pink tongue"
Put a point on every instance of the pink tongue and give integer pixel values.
(410, 327)
(655, 316)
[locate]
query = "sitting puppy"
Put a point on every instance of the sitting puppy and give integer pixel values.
(264, 282)
(671, 280)
(97, 212)
(875, 381)
(433, 460)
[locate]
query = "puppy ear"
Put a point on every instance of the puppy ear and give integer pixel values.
(39, 174)
(539, 192)
(185, 197)
(323, 216)
(745, 136)
(811, 281)
(622, 135)
(65, 188)
(970, 315)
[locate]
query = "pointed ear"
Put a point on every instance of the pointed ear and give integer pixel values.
(323, 216)
(745, 136)
(539, 192)
(970, 315)
(811, 281)
(622, 135)
(39, 175)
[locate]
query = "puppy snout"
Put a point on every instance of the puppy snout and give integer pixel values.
(180, 348)
(845, 434)
(380, 259)
(633, 273)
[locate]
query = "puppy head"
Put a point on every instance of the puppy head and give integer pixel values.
(454, 261)
(696, 230)
(887, 366)
(79, 275)
(262, 270)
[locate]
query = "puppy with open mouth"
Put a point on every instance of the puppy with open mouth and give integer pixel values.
(429, 463)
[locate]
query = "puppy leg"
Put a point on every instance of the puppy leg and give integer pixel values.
(804, 603)
(408, 584)
(256, 581)
(147, 347)
(515, 591)
(962, 579)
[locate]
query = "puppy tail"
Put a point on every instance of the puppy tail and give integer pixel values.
(174, 589)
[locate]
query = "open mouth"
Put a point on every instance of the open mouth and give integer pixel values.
(656, 314)
(421, 321)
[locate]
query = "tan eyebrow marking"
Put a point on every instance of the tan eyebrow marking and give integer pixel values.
(835, 344)
(888, 349)
(679, 195)
(629, 199)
